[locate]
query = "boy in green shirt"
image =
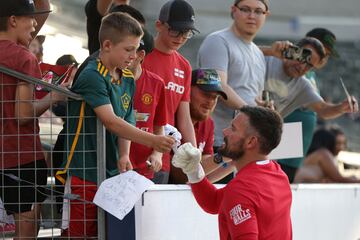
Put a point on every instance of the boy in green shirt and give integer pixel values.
(107, 88)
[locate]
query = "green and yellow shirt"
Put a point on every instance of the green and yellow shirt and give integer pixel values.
(97, 87)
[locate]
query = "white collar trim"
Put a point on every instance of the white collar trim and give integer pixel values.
(263, 162)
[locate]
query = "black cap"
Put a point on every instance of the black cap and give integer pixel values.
(326, 37)
(207, 80)
(18, 8)
(66, 60)
(146, 42)
(179, 15)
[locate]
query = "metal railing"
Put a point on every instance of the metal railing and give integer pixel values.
(51, 222)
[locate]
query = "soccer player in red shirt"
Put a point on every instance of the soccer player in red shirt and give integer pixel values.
(256, 203)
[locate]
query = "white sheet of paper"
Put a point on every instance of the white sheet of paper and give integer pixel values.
(118, 195)
(291, 144)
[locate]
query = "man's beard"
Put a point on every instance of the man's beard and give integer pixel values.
(196, 116)
(235, 154)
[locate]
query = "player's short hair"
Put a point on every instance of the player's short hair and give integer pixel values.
(117, 26)
(267, 123)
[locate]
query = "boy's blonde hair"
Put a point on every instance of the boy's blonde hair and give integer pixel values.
(116, 26)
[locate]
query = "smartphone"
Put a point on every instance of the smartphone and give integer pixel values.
(265, 96)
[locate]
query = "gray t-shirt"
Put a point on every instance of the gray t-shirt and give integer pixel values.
(288, 93)
(245, 66)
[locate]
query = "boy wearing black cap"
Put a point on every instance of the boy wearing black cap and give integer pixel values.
(174, 27)
(150, 110)
(21, 154)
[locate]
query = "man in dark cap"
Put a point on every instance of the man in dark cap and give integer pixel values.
(205, 91)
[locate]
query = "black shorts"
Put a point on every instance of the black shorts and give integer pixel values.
(18, 196)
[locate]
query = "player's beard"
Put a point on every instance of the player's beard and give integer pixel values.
(235, 153)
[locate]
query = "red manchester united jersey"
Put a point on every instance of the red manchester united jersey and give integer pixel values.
(150, 110)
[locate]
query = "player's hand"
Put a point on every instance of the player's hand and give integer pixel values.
(162, 143)
(188, 158)
(124, 164)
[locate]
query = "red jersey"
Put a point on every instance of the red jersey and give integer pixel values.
(150, 108)
(204, 132)
(175, 70)
(20, 144)
(254, 205)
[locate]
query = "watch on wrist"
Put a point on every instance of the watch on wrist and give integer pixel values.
(218, 158)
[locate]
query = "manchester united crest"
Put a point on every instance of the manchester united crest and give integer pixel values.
(147, 98)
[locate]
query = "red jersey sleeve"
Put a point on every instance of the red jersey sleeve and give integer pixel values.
(207, 196)
(240, 212)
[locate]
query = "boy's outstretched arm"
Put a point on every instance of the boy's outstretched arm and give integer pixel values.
(125, 130)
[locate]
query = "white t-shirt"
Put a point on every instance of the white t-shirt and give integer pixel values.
(245, 66)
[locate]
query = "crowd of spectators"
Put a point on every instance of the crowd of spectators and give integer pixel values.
(136, 84)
